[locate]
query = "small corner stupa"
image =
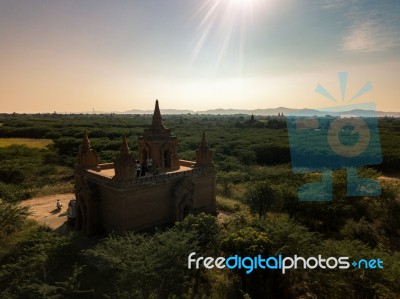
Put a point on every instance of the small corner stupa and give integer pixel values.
(204, 154)
(87, 157)
(125, 168)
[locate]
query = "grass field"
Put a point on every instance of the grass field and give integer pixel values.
(32, 143)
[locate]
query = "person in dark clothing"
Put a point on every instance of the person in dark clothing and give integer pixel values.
(156, 170)
(143, 169)
(138, 168)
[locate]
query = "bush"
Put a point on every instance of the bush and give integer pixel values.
(11, 217)
(144, 266)
(12, 193)
(204, 228)
(11, 174)
(29, 272)
(363, 231)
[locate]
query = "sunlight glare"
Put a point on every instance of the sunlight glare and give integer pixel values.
(243, 2)
(223, 25)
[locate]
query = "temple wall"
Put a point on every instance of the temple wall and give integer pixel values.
(111, 204)
(150, 202)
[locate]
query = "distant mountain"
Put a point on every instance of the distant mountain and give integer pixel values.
(163, 111)
(301, 112)
(264, 112)
(270, 111)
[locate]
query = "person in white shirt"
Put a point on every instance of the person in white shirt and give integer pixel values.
(149, 163)
(58, 205)
(138, 168)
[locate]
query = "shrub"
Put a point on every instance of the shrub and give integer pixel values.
(11, 217)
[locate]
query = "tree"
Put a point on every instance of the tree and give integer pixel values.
(30, 270)
(203, 227)
(260, 196)
(146, 266)
(247, 242)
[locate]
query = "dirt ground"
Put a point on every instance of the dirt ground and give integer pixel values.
(44, 210)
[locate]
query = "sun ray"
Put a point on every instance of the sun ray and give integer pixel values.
(222, 28)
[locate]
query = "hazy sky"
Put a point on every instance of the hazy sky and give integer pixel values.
(76, 55)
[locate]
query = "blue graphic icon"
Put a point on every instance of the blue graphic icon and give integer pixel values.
(345, 136)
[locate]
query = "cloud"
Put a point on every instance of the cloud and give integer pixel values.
(369, 37)
(368, 26)
(338, 4)
(373, 27)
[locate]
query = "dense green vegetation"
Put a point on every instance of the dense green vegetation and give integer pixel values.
(259, 214)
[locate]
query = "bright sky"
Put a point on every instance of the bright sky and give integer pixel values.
(74, 55)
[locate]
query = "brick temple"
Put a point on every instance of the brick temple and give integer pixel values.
(111, 198)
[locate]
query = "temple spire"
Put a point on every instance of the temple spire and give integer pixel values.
(158, 144)
(85, 141)
(204, 142)
(157, 119)
(124, 149)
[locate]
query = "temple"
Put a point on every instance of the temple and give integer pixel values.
(111, 197)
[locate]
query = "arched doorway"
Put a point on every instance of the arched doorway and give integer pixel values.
(183, 197)
(167, 159)
(186, 211)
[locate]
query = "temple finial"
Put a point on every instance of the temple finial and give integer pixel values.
(157, 119)
(85, 135)
(85, 141)
(124, 149)
(204, 140)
